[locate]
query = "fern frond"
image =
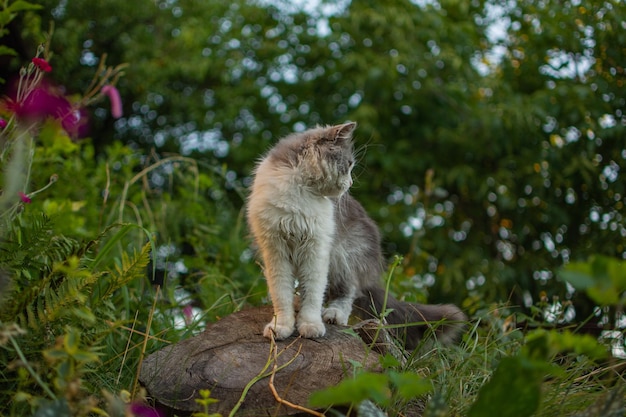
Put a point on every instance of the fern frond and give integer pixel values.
(28, 318)
(66, 291)
(131, 268)
(30, 249)
(59, 294)
(24, 243)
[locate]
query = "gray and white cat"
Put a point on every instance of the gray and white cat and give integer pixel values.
(310, 230)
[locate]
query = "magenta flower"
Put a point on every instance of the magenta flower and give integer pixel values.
(115, 99)
(75, 123)
(43, 102)
(143, 410)
(42, 64)
(188, 313)
(3, 123)
(25, 199)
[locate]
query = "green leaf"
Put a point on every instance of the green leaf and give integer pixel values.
(513, 391)
(71, 341)
(537, 346)
(55, 141)
(603, 278)
(5, 17)
(65, 371)
(603, 296)
(113, 242)
(5, 50)
(21, 5)
(351, 391)
(55, 354)
(581, 280)
(83, 357)
(84, 314)
(57, 408)
(389, 361)
(409, 385)
(616, 270)
(580, 344)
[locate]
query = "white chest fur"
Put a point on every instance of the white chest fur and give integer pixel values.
(282, 207)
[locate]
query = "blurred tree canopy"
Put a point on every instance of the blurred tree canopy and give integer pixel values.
(492, 135)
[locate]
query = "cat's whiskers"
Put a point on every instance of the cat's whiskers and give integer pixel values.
(359, 157)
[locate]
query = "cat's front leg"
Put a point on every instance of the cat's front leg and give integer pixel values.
(310, 324)
(280, 282)
(281, 327)
(313, 282)
(283, 323)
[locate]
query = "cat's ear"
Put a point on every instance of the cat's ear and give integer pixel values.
(343, 131)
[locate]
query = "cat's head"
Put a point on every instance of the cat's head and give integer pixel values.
(324, 158)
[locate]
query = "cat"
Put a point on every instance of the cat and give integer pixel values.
(309, 229)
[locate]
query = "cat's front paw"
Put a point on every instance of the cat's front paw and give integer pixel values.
(311, 329)
(333, 315)
(280, 331)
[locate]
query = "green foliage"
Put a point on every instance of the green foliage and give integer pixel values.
(496, 396)
(601, 277)
(544, 345)
(363, 386)
(93, 286)
(83, 237)
(493, 162)
(205, 401)
(66, 358)
(64, 299)
(409, 386)
(525, 373)
(9, 12)
(488, 159)
(496, 370)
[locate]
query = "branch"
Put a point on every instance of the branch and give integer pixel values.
(274, 348)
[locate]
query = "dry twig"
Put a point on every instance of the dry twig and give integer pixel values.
(273, 388)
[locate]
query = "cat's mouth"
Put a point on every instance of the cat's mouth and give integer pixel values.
(339, 191)
(333, 192)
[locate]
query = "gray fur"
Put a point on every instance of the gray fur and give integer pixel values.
(309, 228)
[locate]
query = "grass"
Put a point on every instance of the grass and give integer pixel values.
(89, 269)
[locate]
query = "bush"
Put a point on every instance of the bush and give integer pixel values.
(102, 258)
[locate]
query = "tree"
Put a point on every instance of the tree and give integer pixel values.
(488, 160)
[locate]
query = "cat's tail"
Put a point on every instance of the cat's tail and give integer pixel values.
(445, 322)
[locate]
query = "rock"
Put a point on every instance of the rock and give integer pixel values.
(231, 354)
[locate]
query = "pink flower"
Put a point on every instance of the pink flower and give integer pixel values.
(188, 313)
(42, 64)
(143, 410)
(25, 199)
(3, 123)
(115, 99)
(75, 123)
(45, 101)
(41, 103)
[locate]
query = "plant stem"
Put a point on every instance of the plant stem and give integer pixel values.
(263, 374)
(145, 340)
(383, 311)
(30, 370)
